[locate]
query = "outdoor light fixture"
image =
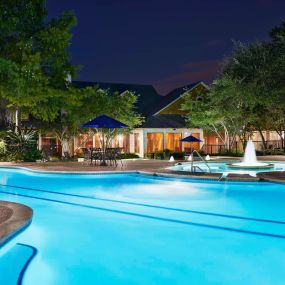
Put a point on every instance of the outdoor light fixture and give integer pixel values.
(171, 159)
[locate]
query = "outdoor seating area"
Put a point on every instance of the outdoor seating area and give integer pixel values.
(97, 156)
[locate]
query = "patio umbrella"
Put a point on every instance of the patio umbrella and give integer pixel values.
(190, 139)
(104, 122)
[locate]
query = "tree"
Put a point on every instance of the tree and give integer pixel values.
(82, 105)
(221, 111)
(248, 94)
(34, 61)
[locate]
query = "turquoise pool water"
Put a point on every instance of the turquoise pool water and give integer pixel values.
(222, 167)
(136, 229)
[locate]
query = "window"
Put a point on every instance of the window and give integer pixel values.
(190, 146)
(173, 142)
(154, 142)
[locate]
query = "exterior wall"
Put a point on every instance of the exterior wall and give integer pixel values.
(183, 131)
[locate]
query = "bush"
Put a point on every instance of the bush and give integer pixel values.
(19, 145)
(20, 141)
(3, 149)
(127, 156)
(149, 155)
(178, 154)
(32, 155)
(230, 153)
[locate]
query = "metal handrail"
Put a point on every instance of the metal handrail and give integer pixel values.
(206, 163)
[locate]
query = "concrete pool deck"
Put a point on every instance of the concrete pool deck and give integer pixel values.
(14, 218)
(152, 167)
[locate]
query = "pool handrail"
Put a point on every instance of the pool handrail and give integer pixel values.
(192, 161)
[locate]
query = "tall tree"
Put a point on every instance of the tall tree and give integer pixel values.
(34, 60)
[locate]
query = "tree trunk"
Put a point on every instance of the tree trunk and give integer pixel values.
(67, 146)
(18, 118)
(263, 139)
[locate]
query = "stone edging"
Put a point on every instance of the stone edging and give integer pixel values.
(167, 173)
(157, 172)
(20, 218)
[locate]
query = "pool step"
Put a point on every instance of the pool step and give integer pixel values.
(14, 262)
(239, 177)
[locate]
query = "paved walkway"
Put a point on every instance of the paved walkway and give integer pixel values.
(128, 165)
(152, 167)
(14, 217)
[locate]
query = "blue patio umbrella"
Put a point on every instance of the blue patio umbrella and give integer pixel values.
(190, 139)
(104, 122)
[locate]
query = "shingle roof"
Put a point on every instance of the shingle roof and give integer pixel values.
(148, 96)
(164, 121)
(149, 102)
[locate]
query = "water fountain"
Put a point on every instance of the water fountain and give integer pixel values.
(249, 159)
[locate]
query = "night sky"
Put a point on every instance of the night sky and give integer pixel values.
(167, 43)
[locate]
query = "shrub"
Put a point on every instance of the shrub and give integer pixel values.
(32, 155)
(178, 154)
(149, 155)
(230, 153)
(21, 144)
(127, 156)
(2, 148)
(20, 141)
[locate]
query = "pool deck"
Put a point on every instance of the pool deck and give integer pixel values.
(14, 218)
(152, 167)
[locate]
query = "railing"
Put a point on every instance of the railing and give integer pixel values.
(237, 147)
(193, 167)
(213, 148)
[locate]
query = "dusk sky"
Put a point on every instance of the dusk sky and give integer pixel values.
(161, 42)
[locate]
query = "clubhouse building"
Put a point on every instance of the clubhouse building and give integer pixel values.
(162, 129)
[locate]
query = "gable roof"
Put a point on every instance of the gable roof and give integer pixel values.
(149, 103)
(165, 121)
(174, 95)
(147, 95)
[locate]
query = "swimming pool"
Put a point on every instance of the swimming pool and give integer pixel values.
(222, 167)
(138, 229)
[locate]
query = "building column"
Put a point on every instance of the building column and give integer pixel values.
(40, 142)
(132, 143)
(164, 139)
(144, 141)
(201, 138)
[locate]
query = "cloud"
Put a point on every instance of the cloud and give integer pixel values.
(191, 72)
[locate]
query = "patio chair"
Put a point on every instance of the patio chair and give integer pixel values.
(96, 155)
(111, 156)
(117, 153)
(66, 156)
(87, 156)
(45, 155)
